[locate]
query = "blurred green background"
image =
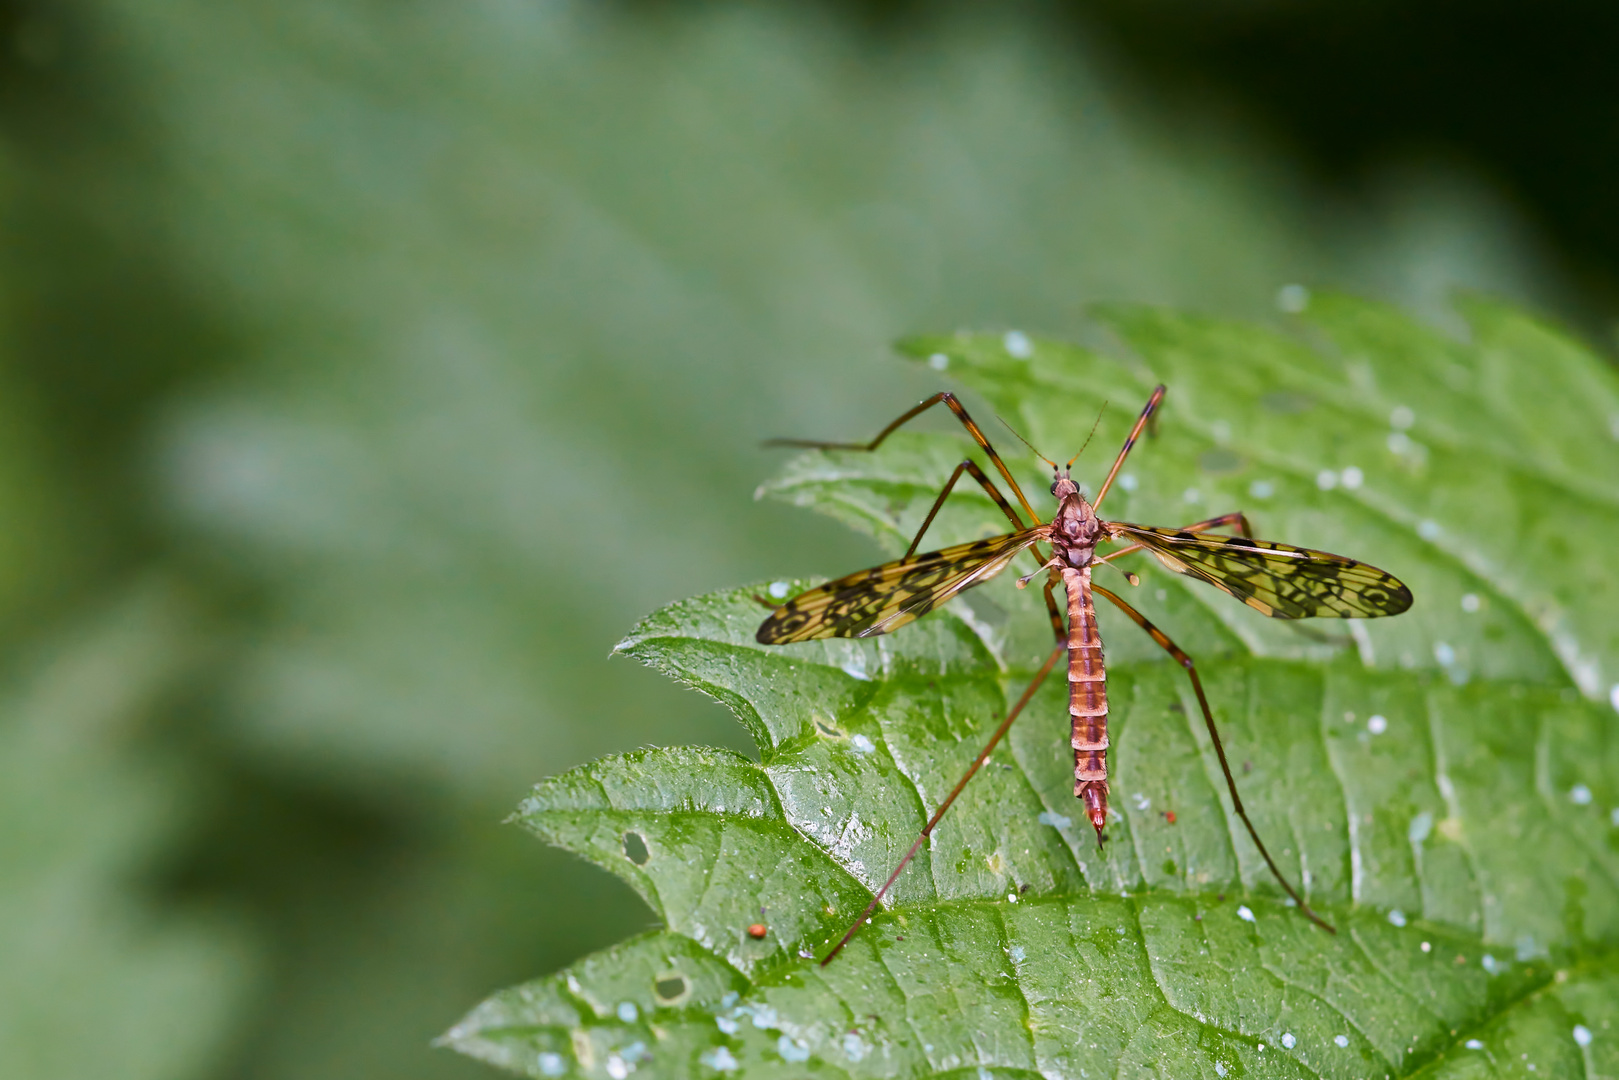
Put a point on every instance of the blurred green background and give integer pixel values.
(367, 369)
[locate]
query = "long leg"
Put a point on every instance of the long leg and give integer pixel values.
(970, 466)
(1219, 749)
(1236, 518)
(961, 414)
(972, 770)
(1141, 422)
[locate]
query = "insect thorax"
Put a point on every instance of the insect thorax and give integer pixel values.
(1076, 530)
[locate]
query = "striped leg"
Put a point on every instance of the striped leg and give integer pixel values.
(972, 771)
(1185, 662)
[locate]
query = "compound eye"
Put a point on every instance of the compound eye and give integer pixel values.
(1054, 487)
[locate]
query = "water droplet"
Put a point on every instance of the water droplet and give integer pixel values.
(1399, 442)
(863, 745)
(1582, 1034)
(1341, 1040)
(1443, 653)
(1018, 344)
(1292, 298)
(1579, 795)
(1244, 913)
(1473, 1044)
(725, 1024)
(790, 1050)
(1353, 478)
(1191, 495)
(1128, 481)
(1219, 1068)
(938, 361)
(1377, 724)
(1017, 953)
(778, 589)
(1490, 964)
(1470, 602)
(720, 1060)
(1326, 479)
(617, 1067)
(1428, 529)
(1261, 489)
(1427, 946)
(1421, 826)
(1402, 418)
(1288, 1040)
(552, 1064)
(1613, 696)
(1397, 917)
(854, 1047)
(627, 1012)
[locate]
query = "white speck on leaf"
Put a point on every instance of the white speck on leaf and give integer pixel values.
(1017, 953)
(552, 1064)
(1018, 344)
(1128, 481)
(1428, 529)
(725, 1024)
(1377, 724)
(1219, 1068)
(790, 1050)
(1288, 1040)
(1427, 946)
(938, 361)
(1443, 653)
(627, 1012)
(1261, 489)
(617, 1067)
(1057, 821)
(1490, 964)
(1420, 827)
(1353, 478)
(778, 589)
(1473, 1044)
(1613, 696)
(1470, 602)
(720, 1060)
(1191, 495)
(1402, 418)
(1244, 913)
(1326, 479)
(1397, 917)
(1582, 1034)
(1141, 801)
(1292, 298)
(854, 1047)
(1341, 1040)
(1579, 795)
(863, 745)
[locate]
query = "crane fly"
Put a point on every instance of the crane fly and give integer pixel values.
(1277, 580)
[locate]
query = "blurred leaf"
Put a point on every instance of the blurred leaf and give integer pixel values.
(153, 995)
(1435, 781)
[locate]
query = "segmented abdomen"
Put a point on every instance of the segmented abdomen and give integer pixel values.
(1087, 690)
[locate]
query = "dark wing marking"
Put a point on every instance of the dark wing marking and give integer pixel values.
(1275, 579)
(887, 597)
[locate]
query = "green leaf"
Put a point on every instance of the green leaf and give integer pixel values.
(1444, 785)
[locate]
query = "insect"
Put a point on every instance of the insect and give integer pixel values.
(1275, 579)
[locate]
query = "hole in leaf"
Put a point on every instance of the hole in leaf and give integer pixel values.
(670, 987)
(635, 849)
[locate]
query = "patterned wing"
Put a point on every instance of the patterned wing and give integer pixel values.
(887, 597)
(1275, 579)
